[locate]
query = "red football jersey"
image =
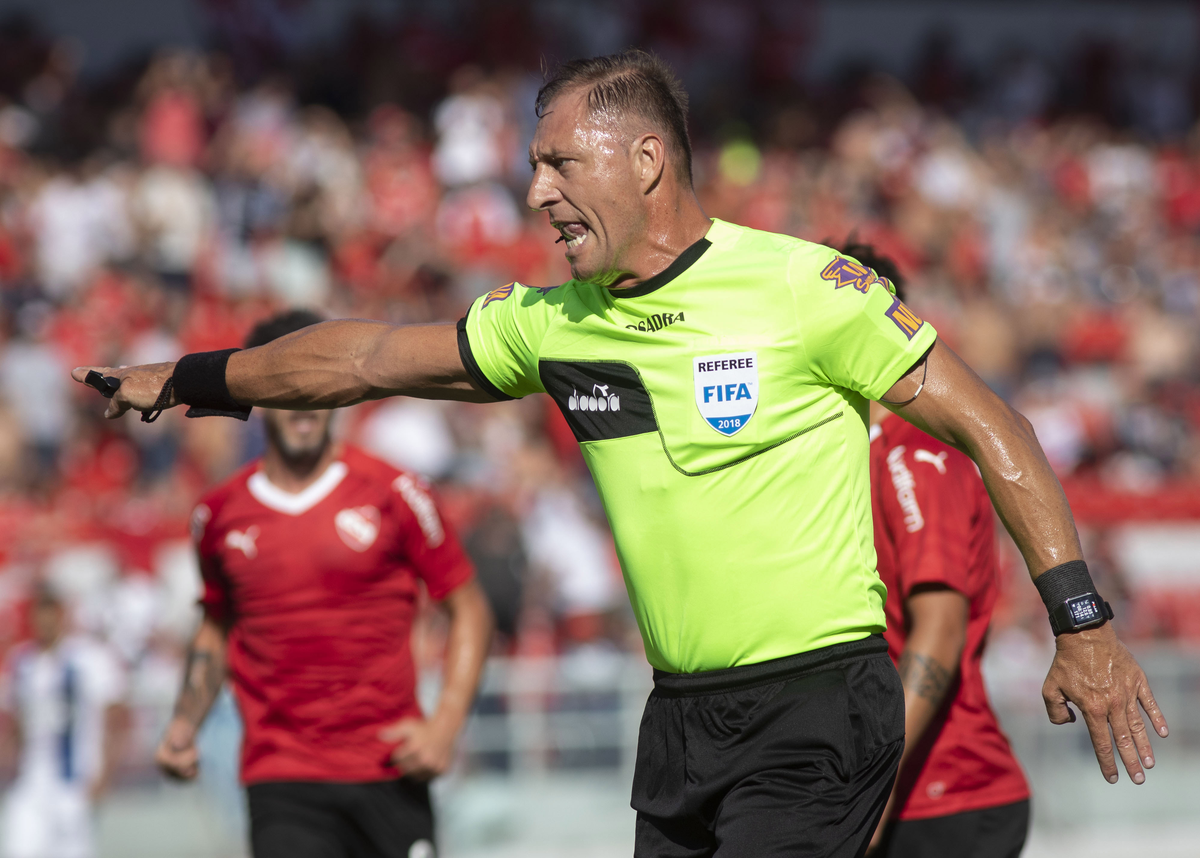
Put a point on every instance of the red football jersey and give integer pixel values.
(319, 589)
(934, 524)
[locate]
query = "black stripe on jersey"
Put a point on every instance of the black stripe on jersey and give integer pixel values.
(600, 399)
(472, 367)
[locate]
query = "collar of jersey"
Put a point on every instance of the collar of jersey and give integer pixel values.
(682, 263)
(271, 496)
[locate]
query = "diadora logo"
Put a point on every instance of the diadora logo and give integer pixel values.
(847, 272)
(657, 322)
(600, 400)
(726, 390)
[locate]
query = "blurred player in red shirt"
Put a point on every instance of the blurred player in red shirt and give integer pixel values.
(959, 791)
(312, 559)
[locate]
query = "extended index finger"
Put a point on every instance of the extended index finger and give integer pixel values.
(80, 372)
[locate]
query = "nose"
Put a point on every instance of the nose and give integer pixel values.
(542, 191)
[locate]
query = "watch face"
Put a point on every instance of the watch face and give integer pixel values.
(1085, 609)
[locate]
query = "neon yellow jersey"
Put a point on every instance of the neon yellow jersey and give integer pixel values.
(722, 409)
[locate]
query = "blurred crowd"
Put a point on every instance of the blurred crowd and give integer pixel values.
(1046, 217)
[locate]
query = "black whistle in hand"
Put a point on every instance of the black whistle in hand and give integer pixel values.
(106, 384)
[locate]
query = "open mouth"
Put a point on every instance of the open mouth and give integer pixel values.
(573, 233)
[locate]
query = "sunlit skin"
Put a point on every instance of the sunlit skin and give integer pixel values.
(609, 185)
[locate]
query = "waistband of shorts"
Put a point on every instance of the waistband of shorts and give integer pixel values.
(766, 672)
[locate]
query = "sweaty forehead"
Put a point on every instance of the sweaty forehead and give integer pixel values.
(569, 125)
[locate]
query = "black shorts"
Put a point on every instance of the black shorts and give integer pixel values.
(794, 756)
(995, 832)
(303, 819)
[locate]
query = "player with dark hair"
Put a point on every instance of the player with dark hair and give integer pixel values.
(312, 558)
(959, 791)
(717, 380)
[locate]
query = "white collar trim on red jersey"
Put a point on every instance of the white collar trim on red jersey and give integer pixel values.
(270, 495)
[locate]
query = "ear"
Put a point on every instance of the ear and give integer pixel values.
(649, 160)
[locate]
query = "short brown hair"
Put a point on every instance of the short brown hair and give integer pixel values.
(632, 81)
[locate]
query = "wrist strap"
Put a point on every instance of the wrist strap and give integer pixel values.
(1069, 587)
(200, 382)
(1063, 582)
(160, 404)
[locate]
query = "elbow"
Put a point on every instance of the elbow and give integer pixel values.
(1023, 425)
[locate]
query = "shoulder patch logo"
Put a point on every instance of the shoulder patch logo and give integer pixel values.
(847, 272)
(905, 486)
(423, 508)
(499, 294)
(358, 527)
(726, 389)
(906, 320)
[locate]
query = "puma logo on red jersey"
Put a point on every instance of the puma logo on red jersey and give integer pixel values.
(938, 461)
(244, 541)
(358, 526)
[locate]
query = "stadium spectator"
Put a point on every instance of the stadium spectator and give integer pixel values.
(312, 560)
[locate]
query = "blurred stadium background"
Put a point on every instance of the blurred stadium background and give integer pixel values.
(172, 171)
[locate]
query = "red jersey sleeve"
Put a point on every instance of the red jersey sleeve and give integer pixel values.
(425, 540)
(215, 598)
(931, 507)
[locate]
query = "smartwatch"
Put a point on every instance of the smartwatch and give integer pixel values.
(1085, 611)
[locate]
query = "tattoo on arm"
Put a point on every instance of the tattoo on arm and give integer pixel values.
(928, 678)
(202, 677)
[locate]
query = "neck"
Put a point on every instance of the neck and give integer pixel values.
(294, 475)
(672, 226)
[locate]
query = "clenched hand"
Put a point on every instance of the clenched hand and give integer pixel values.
(424, 748)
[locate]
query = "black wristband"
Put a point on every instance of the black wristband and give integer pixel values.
(200, 382)
(1064, 582)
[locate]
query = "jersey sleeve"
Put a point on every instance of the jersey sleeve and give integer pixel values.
(500, 338)
(930, 510)
(215, 598)
(425, 540)
(856, 333)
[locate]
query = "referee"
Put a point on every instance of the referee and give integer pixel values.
(717, 379)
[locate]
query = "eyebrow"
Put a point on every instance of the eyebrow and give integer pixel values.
(550, 155)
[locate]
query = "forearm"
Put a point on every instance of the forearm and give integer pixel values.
(203, 674)
(928, 668)
(466, 651)
(958, 408)
(340, 363)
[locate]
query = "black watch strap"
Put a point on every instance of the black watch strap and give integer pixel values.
(1085, 611)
